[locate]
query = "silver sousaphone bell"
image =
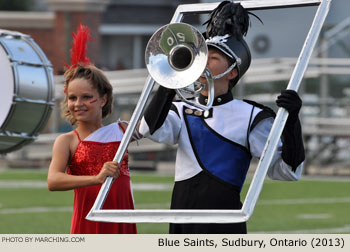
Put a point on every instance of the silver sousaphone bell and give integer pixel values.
(176, 56)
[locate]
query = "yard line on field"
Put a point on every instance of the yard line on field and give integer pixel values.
(43, 184)
(304, 201)
(315, 216)
(344, 229)
(35, 210)
(23, 184)
(340, 179)
(152, 186)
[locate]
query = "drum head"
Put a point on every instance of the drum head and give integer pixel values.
(6, 87)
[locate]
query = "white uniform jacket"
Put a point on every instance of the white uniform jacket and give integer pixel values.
(229, 120)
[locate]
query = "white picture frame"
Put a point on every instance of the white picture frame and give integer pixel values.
(216, 216)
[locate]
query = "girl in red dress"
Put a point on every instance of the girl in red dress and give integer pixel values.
(81, 159)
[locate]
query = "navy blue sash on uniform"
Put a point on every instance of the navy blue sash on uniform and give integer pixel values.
(222, 157)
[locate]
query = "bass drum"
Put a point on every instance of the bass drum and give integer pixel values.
(26, 90)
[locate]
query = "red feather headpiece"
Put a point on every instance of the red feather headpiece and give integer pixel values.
(79, 47)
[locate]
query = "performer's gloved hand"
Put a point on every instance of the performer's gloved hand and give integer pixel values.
(290, 100)
(293, 152)
(158, 108)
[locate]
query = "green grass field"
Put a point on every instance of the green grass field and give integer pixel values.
(306, 206)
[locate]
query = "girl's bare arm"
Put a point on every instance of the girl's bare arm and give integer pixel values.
(59, 180)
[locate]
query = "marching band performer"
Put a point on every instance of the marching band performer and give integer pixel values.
(215, 147)
(82, 158)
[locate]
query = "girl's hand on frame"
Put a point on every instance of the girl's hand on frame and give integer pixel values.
(109, 169)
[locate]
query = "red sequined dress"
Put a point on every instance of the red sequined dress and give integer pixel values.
(88, 159)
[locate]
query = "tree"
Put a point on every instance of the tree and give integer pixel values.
(16, 5)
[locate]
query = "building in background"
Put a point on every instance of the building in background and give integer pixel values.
(121, 28)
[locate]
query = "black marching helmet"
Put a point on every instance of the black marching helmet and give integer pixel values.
(227, 25)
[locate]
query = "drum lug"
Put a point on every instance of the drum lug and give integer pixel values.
(21, 99)
(16, 135)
